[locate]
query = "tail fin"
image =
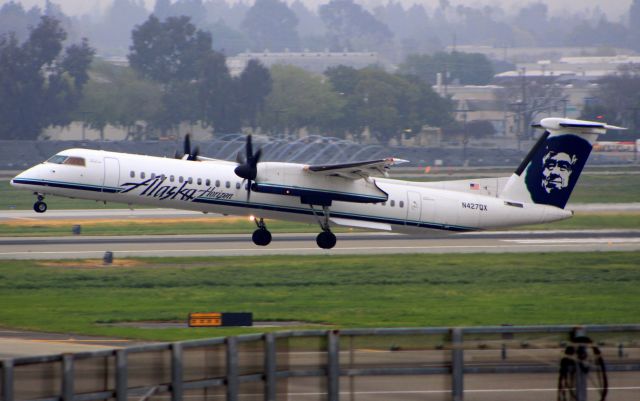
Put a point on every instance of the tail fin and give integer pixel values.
(551, 169)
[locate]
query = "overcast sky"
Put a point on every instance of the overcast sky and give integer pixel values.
(613, 8)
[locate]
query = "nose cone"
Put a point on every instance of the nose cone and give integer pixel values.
(24, 177)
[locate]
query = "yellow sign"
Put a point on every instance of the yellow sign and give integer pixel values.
(213, 319)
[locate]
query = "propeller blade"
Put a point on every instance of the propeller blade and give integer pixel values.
(187, 144)
(257, 156)
(249, 191)
(194, 155)
(249, 148)
(239, 158)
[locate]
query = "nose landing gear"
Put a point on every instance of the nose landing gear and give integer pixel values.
(261, 236)
(40, 206)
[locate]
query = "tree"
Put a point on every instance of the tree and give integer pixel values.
(387, 104)
(38, 86)
(14, 18)
(77, 60)
(299, 99)
(270, 24)
(617, 101)
(254, 85)
(465, 68)
(168, 51)
(528, 98)
(217, 95)
(351, 27)
(118, 97)
(194, 9)
(634, 25)
(121, 17)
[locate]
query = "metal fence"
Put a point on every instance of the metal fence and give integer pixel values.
(323, 365)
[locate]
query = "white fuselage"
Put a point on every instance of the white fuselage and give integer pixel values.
(212, 186)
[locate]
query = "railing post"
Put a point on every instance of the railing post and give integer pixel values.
(582, 369)
(457, 365)
(7, 380)
(67, 377)
(176, 372)
(121, 375)
(333, 365)
(270, 367)
(232, 369)
(579, 336)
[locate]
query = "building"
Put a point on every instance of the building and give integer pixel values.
(316, 62)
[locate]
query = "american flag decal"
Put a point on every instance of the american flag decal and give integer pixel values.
(474, 186)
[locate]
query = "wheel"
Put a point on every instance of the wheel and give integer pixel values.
(40, 207)
(326, 240)
(261, 237)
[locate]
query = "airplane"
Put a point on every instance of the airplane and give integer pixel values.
(358, 194)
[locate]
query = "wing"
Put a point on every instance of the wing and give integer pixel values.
(356, 170)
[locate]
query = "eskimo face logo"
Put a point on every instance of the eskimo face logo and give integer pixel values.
(555, 167)
(556, 170)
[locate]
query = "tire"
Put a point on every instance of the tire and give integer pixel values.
(326, 240)
(40, 207)
(261, 237)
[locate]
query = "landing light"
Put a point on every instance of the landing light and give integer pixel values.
(252, 218)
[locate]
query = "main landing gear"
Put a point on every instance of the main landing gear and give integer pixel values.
(326, 239)
(40, 206)
(261, 236)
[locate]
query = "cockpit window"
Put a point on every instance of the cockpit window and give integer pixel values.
(57, 159)
(75, 161)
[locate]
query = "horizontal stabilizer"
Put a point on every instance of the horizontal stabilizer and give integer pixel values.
(555, 123)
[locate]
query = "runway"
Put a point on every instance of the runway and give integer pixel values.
(80, 247)
(157, 213)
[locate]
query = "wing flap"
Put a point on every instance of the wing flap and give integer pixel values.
(355, 170)
(361, 224)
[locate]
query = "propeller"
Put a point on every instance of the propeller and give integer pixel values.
(248, 165)
(191, 155)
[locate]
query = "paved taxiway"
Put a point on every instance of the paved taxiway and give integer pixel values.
(304, 244)
(157, 213)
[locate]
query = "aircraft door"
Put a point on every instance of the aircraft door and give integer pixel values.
(111, 178)
(414, 206)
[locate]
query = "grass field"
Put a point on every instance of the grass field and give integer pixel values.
(334, 291)
(611, 188)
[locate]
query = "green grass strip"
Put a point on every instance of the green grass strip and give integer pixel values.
(334, 291)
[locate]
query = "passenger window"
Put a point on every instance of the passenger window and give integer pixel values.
(132, 174)
(199, 181)
(172, 178)
(190, 180)
(75, 161)
(180, 179)
(401, 203)
(142, 175)
(227, 184)
(237, 185)
(153, 175)
(218, 183)
(393, 203)
(208, 182)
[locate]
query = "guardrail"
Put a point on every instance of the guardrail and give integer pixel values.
(266, 365)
